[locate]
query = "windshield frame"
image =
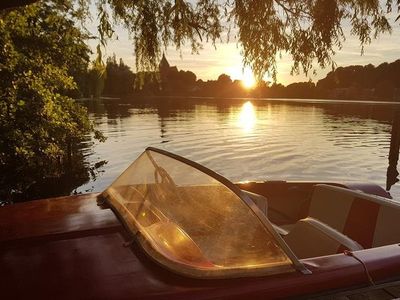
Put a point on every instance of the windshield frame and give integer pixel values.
(203, 273)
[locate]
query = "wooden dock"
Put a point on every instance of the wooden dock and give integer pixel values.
(379, 292)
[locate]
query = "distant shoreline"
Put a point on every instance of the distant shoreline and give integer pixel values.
(306, 100)
(299, 100)
(93, 98)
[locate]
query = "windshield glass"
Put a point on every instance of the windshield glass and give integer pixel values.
(191, 222)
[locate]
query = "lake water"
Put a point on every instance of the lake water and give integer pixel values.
(248, 139)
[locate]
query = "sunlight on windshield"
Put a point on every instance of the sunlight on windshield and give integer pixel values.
(247, 118)
(192, 223)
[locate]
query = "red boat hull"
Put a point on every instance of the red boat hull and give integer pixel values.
(70, 248)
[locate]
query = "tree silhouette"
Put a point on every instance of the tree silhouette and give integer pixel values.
(119, 79)
(309, 31)
(383, 80)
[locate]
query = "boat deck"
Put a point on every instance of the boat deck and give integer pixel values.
(379, 292)
(71, 248)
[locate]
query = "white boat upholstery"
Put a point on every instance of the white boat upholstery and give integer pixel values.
(363, 217)
(311, 238)
(330, 205)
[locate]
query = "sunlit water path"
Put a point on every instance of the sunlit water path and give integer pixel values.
(248, 140)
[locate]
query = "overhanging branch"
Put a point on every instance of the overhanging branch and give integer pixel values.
(4, 4)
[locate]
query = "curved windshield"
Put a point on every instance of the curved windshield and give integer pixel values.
(191, 222)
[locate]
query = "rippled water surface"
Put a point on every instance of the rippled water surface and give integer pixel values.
(248, 140)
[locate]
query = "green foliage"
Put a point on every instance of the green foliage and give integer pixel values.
(119, 79)
(111, 79)
(40, 126)
(95, 78)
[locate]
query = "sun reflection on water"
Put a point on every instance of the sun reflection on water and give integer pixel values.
(247, 117)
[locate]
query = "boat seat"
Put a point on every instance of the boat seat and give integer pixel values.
(364, 218)
(312, 238)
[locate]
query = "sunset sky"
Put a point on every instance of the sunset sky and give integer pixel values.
(210, 63)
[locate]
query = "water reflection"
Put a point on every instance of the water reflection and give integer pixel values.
(247, 117)
(303, 141)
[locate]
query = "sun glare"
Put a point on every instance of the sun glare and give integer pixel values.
(247, 117)
(236, 72)
(248, 80)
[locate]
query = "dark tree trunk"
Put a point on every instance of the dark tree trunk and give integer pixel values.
(392, 172)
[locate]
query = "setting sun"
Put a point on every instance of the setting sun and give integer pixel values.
(248, 80)
(245, 75)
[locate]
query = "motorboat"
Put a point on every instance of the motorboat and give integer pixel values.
(170, 228)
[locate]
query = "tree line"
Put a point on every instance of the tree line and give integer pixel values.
(349, 83)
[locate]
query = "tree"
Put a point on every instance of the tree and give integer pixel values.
(224, 79)
(119, 79)
(364, 81)
(309, 31)
(40, 126)
(95, 79)
(305, 90)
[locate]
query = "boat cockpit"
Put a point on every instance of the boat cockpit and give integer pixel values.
(197, 223)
